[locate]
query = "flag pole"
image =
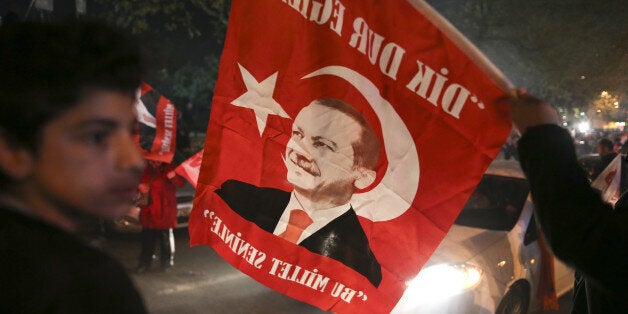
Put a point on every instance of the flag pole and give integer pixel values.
(464, 44)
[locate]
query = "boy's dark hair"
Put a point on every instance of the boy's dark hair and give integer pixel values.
(46, 67)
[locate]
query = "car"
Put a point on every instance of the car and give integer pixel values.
(129, 223)
(490, 260)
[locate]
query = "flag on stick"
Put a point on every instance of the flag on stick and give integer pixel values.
(374, 118)
(157, 127)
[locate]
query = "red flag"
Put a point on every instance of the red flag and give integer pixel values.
(190, 168)
(365, 115)
(608, 182)
(157, 127)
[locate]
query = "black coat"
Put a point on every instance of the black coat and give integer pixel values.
(46, 270)
(581, 229)
(342, 239)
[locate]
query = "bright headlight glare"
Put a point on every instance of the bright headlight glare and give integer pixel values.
(443, 280)
(584, 127)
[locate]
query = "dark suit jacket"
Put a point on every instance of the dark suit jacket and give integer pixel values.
(342, 239)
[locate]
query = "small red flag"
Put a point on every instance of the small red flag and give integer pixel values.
(157, 127)
(608, 182)
(190, 168)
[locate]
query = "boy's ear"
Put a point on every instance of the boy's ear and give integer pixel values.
(15, 162)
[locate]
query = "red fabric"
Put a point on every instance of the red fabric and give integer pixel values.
(190, 168)
(546, 291)
(443, 99)
(299, 220)
(161, 213)
(157, 125)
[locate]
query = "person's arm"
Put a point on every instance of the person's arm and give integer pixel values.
(581, 229)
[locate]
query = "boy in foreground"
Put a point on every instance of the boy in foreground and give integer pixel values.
(67, 94)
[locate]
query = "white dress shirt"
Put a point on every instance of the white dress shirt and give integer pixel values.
(320, 217)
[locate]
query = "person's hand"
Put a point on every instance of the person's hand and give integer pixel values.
(528, 111)
(171, 174)
(143, 188)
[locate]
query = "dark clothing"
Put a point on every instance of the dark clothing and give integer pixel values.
(159, 216)
(165, 240)
(46, 270)
(581, 229)
(601, 164)
(342, 239)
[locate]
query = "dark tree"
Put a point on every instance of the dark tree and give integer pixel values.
(566, 51)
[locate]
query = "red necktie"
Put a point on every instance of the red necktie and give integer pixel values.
(299, 220)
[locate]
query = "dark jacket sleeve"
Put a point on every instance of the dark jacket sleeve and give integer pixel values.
(582, 230)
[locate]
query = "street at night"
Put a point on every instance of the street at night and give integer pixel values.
(202, 282)
(399, 156)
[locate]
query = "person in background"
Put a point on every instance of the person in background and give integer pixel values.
(158, 214)
(605, 148)
(581, 229)
(67, 155)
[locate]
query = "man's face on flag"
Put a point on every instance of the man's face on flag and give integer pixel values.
(320, 156)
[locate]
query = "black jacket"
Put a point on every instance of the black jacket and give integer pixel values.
(581, 229)
(46, 270)
(342, 239)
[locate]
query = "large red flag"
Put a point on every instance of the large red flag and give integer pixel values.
(157, 127)
(344, 138)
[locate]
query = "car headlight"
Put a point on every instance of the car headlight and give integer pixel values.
(442, 281)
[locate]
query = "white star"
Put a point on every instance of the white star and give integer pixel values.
(259, 97)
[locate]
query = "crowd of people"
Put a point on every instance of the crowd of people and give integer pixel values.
(587, 143)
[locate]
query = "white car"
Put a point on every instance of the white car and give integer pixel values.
(489, 261)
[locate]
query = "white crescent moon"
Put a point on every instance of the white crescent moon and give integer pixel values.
(397, 189)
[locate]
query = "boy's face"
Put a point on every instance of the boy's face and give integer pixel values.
(87, 161)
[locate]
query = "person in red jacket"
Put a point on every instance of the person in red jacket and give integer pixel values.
(158, 215)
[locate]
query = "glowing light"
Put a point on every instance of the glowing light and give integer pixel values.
(442, 281)
(584, 126)
(501, 264)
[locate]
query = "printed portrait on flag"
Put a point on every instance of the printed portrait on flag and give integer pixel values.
(344, 139)
(332, 152)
